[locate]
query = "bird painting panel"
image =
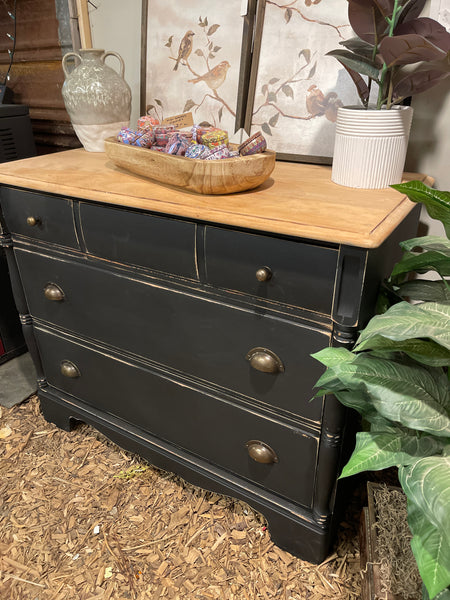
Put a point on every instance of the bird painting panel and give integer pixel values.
(298, 88)
(193, 59)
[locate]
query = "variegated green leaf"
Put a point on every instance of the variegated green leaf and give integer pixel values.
(380, 450)
(407, 321)
(415, 396)
(436, 202)
(430, 551)
(422, 263)
(427, 484)
(428, 242)
(425, 290)
(427, 352)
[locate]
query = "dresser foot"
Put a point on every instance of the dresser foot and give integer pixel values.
(58, 414)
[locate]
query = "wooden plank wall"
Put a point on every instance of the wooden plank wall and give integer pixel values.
(36, 75)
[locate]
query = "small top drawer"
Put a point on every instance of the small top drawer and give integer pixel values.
(140, 239)
(273, 268)
(46, 218)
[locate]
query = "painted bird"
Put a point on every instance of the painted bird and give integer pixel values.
(215, 77)
(185, 48)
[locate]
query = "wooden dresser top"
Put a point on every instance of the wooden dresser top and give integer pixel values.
(297, 200)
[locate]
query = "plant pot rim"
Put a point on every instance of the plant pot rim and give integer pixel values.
(374, 109)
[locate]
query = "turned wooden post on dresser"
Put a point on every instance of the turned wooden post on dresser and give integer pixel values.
(181, 325)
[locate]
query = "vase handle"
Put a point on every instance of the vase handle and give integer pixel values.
(64, 60)
(119, 58)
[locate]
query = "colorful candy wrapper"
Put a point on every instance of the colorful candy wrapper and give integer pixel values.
(215, 138)
(147, 122)
(177, 146)
(140, 138)
(197, 151)
(219, 152)
(256, 143)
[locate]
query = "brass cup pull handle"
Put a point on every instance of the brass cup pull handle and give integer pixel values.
(69, 369)
(261, 452)
(263, 274)
(53, 292)
(264, 360)
(33, 221)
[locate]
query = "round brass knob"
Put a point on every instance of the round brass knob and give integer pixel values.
(68, 369)
(263, 274)
(32, 221)
(261, 452)
(53, 292)
(265, 360)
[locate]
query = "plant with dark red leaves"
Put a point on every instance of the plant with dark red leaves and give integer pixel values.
(403, 53)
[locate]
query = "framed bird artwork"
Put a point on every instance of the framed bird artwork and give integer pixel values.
(196, 58)
(295, 89)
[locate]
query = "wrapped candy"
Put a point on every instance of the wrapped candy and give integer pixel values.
(140, 138)
(219, 152)
(198, 131)
(217, 137)
(147, 122)
(177, 145)
(256, 143)
(197, 151)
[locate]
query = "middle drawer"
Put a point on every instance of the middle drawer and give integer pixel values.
(258, 355)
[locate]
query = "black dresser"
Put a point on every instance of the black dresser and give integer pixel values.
(182, 326)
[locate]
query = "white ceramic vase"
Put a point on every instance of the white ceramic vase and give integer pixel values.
(97, 98)
(370, 146)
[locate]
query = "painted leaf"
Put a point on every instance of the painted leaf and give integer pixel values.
(199, 52)
(212, 29)
(274, 119)
(409, 49)
(436, 202)
(288, 15)
(274, 80)
(265, 127)
(189, 104)
(430, 550)
(425, 290)
(288, 91)
(405, 321)
(355, 62)
(271, 97)
(158, 102)
(312, 71)
(376, 451)
(306, 53)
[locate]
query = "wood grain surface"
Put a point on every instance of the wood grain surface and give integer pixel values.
(299, 200)
(202, 176)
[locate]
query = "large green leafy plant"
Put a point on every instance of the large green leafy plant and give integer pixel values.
(397, 378)
(402, 53)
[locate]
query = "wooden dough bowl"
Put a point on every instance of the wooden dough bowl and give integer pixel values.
(223, 176)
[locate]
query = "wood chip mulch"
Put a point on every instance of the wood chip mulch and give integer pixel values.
(81, 519)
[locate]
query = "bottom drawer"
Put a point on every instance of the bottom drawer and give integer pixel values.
(202, 424)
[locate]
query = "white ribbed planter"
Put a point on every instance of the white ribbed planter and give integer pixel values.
(370, 146)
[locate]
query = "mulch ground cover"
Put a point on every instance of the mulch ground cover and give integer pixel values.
(81, 519)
